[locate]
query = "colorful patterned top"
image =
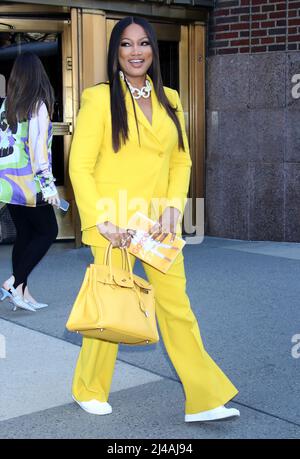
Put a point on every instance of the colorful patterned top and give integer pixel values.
(25, 159)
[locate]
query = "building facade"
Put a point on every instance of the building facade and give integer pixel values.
(253, 120)
(71, 38)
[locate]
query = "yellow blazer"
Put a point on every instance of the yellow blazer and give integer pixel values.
(155, 168)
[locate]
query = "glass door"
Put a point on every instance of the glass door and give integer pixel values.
(50, 40)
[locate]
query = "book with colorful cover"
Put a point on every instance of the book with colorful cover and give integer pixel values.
(160, 255)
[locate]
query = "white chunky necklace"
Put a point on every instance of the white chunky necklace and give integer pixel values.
(137, 93)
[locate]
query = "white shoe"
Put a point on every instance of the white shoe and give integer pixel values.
(14, 298)
(94, 406)
(36, 305)
(211, 415)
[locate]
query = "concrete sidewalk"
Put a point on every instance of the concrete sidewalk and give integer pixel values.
(246, 298)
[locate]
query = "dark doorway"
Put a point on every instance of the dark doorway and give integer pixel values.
(169, 63)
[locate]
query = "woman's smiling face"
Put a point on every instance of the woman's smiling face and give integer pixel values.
(135, 52)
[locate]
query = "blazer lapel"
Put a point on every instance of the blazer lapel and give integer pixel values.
(158, 112)
(130, 105)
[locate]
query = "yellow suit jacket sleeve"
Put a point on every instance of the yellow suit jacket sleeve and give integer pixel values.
(180, 167)
(84, 153)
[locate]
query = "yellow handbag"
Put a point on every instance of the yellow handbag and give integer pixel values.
(115, 305)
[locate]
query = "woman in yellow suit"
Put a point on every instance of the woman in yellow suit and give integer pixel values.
(129, 147)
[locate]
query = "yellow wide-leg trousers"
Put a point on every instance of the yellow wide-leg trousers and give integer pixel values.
(205, 385)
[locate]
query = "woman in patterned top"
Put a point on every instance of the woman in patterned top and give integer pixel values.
(26, 179)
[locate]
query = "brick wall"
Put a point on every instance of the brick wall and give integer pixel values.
(250, 26)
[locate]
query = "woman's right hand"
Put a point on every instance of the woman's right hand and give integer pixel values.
(119, 237)
(53, 200)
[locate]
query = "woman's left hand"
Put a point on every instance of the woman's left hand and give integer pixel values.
(167, 223)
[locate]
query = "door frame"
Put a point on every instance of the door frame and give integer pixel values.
(15, 25)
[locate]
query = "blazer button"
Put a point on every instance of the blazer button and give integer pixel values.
(160, 154)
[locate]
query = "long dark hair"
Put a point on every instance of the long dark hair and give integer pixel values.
(117, 101)
(28, 86)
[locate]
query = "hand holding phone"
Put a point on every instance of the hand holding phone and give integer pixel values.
(64, 205)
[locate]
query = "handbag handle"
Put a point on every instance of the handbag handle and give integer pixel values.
(125, 259)
(108, 256)
(127, 264)
(108, 260)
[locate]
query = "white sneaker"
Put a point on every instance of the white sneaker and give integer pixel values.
(211, 415)
(94, 406)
